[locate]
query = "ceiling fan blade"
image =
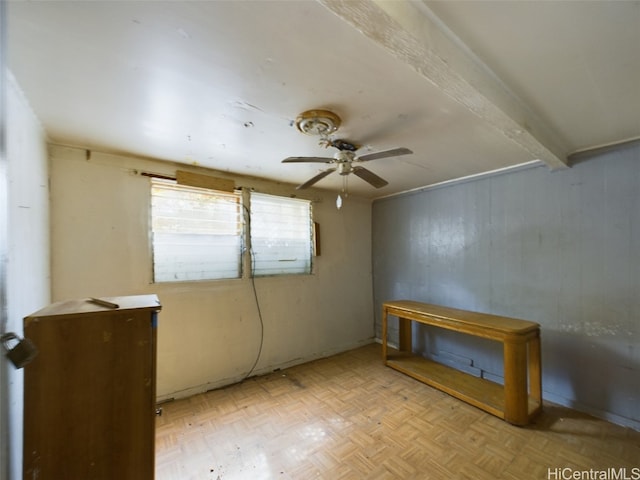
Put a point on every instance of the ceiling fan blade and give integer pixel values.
(369, 176)
(395, 152)
(307, 159)
(315, 179)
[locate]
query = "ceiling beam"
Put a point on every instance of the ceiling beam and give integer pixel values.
(411, 32)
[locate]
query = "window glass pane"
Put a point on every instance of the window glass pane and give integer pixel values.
(280, 235)
(197, 233)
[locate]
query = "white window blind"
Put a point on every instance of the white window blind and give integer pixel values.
(281, 234)
(197, 233)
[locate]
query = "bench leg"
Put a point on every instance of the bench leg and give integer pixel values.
(535, 371)
(404, 335)
(384, 335)
(516, 393)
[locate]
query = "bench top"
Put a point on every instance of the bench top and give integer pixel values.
(452, 316)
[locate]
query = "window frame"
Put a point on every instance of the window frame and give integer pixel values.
(170, 184)
(310, 227)
(247, 265)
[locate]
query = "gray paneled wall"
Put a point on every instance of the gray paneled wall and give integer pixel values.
(559, 248)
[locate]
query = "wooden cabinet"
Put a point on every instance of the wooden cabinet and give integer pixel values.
(518, 401)
(89, 395)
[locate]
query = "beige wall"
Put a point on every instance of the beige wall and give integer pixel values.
(209, 332)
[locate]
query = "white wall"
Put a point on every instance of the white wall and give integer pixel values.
(209, 332)
(28, 243)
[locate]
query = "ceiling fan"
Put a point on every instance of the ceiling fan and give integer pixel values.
(323, 123)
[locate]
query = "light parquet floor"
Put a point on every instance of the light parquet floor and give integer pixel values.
(350, 417)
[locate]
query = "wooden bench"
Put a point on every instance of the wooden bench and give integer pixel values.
(517, 402)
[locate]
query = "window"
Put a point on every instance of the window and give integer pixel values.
(197, 233)
(281, 234)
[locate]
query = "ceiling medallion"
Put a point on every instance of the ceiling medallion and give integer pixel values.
(318, 122)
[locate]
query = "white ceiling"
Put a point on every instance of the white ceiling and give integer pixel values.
(469, 86)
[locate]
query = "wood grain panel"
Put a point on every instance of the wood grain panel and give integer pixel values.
(90, 396)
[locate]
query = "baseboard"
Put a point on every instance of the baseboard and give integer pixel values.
(594, 412)
(225, 382)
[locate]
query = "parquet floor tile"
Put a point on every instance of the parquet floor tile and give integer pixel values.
(348, 417)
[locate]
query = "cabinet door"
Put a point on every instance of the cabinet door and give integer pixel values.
(89, 397)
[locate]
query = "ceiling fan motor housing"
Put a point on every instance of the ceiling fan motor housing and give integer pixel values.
(344, 156)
